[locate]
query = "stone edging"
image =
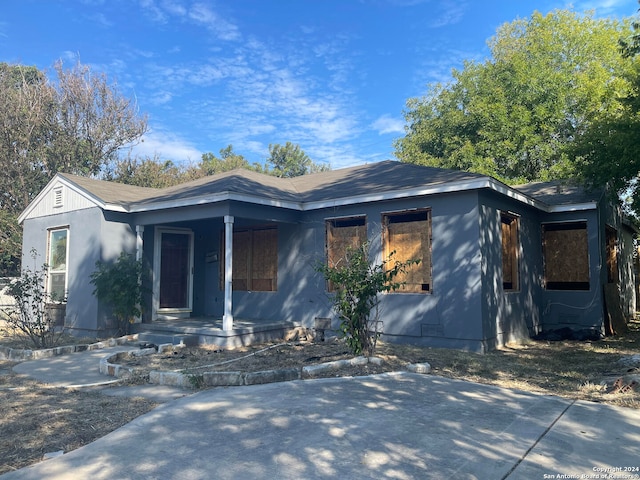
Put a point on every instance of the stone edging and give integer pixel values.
(21, 355)
(108, 366)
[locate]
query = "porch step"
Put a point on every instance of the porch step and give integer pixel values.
(174, 339)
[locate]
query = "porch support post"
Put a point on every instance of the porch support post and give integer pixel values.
(227, 318)
(139, 232)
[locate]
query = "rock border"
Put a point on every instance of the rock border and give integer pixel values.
(109, 366)
(21, 355)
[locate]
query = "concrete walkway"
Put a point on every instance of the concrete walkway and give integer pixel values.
(82, 369)
(391, 426)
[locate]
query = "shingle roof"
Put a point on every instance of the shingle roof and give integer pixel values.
(385, 176)
(110, 192)
(559, 192)
(364, 180)
(382, 176)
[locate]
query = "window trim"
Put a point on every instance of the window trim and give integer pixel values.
(51, 271)
(426, 288)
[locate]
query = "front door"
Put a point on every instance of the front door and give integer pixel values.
(173, 267)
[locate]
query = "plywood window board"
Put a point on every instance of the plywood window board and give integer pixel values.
(566, 256)
(255, 259)
(343, 234)
(408, 234)
(510, 248)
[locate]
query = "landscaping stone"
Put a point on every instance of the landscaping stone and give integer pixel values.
(271, 376)
(419, 367)
(223, 379)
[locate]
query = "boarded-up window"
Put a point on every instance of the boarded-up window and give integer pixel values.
(408, 234)
(343, 234)
(566, 256)
(510, 269)
(612, 255)
(255, 260)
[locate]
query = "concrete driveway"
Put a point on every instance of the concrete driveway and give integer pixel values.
(391, 426)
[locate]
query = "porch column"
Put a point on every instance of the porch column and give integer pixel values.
(139, 232)
(227, 318)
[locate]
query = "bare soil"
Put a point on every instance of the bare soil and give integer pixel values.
(37, 419)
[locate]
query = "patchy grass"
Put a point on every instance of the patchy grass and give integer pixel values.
(570, 369)
(37, 419)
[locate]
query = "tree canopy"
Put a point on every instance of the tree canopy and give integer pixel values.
(284, 161)
(609, 152)
(517, 115)
(289, 160)
(76, 123)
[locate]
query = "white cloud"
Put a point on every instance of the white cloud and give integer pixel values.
(152, 10)
(174, 8)
(199, 13)
(450, 12)
(294, 88)
(605, 7)
(225, 30)
(388, 124)
(168, 146)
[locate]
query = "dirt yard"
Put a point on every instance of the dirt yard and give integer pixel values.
(37, 419)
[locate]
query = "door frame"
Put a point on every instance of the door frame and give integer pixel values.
(169, 313)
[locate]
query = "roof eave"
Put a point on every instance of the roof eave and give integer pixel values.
(574, 207)
(214, 198)
(449, 187)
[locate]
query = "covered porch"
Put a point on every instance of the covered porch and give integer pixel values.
(214, 274)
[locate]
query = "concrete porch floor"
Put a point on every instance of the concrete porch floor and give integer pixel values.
(208, 331)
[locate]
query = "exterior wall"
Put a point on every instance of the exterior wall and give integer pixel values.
(92, 237)
(612, 217)
(466, 307)
(510, 315)
(577, 309)
(448, 316)
(116, 236)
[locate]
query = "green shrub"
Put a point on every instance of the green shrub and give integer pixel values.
(29, 315)
(119, 285)
(358, 283)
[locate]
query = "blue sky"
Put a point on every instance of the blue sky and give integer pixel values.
(330, 75)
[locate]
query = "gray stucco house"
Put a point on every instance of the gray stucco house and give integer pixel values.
(498, 263)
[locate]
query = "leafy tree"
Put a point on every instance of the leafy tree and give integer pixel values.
(150, 172)
(609, 152)
(91, 123)
(358, 283)
(75, 124)
(516, 115)
(228, 160)
(289, 160)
